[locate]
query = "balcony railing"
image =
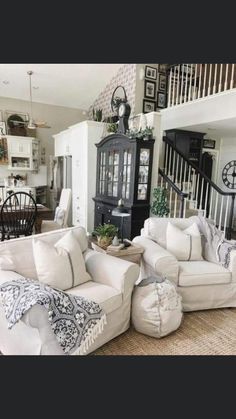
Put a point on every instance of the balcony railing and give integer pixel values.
(191, 82)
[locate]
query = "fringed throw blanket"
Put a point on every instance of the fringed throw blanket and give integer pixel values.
(217, 248)
(75, 321)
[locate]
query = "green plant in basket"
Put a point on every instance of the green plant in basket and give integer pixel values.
(105, 234)
(159, 205)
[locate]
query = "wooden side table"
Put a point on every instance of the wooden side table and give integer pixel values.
(132, 253)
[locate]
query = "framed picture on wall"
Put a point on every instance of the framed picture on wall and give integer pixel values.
(209, 143)
(150, 89)
(150, 72)
(162, 82)
(161, 100)
(149, 106)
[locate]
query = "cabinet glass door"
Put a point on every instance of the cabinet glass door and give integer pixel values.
(143, 174)
(102, 173)
(113, 173)
(126, 174)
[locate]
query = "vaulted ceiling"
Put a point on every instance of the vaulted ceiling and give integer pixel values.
(71, 85)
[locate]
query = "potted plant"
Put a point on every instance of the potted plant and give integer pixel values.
(147, 133)
(112, 127)
(97, 115)
(105, 234)
(159, 205)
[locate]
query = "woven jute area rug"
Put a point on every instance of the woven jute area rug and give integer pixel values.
(210, 332)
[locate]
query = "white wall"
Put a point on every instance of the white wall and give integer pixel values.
(57, 117)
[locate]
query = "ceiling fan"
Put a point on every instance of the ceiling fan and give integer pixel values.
(31, 124)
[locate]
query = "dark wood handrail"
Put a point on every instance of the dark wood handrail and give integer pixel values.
(176, 189)
(167, 141)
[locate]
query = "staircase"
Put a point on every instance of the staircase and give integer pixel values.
(191, 192)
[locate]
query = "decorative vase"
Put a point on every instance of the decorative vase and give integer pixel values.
(104, 241)
(115, 241)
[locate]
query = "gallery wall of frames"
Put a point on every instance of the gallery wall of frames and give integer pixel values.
(155, 88)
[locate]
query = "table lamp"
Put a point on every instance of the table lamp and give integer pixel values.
(121, 212)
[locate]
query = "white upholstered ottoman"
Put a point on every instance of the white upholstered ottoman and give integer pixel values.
(156, 307)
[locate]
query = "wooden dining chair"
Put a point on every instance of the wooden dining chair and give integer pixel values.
(17, 216)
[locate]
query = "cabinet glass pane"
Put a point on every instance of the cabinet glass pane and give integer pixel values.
(126, 174)
(115, 189)
(143, 174)
(142, 191)
(144, 156)
(116, 173)
(109, 189)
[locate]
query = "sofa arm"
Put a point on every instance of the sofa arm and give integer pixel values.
(158, 258)
(112, 271)
(232, 264)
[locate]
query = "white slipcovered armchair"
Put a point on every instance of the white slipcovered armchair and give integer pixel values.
(202, 284)
(61, 213)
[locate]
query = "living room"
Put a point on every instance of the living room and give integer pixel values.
(102, 189)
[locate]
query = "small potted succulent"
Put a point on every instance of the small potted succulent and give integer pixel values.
(97, 115)
(112, 128)
(105, 234)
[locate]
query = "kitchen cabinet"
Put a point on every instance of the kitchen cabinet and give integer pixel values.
(79, 141)
(63, 143)
(23, 153)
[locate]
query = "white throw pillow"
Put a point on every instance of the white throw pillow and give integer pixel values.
(59, 216)
(60, 265)
(184, 244)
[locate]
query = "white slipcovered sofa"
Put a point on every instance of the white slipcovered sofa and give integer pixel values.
(202, 284)
(111, 286)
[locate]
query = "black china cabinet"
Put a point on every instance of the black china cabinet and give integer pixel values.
(124, 169)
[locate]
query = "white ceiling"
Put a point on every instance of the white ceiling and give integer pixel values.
(222, 128)
(71, 85)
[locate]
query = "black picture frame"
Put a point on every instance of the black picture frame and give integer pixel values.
(161, 100)
(162, 80)
(152, 104)
(150, 88)
(209, 143)
(150, 72)
(162, 68)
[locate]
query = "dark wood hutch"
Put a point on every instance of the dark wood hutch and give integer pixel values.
(124, 170)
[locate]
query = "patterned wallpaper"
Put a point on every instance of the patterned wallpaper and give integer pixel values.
(126, 77)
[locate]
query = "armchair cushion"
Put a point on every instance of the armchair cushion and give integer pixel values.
(60, 265)
(202, 273)
(184, 244)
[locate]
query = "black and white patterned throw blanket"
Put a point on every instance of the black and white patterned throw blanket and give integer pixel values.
(75, 321)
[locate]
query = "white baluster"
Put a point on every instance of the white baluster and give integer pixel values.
(182, 85)
(161, 182)
(170, 88)
(226, 214)
(220, 79)
(211, 200)
(169, 164)
(175, 205)
(200, 80)
(216, 206)
(190, 82)
(226, 75)
(166, 160)
(185, 202)
(189, 172)
(206, 199)
(193, 184)
(215, 74)
(232, 77)
(186, 83)
(196, 197)
(170, 201)
(201, 193)
(195, 82)
(178, 81)
(204, 80)
(173, 93)
(209, 81)
(177, 169)
(181, 173)
(185, 165)
(173, 166)
(221, 210)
